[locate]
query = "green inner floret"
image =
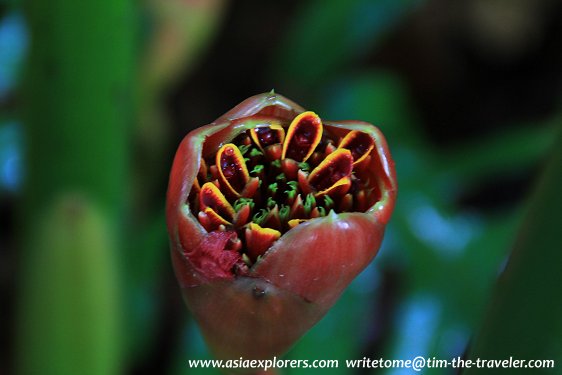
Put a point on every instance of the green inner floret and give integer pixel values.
(253, 188)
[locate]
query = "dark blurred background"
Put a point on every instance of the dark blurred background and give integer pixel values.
(96, 96)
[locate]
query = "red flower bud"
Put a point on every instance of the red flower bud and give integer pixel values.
(271, 213)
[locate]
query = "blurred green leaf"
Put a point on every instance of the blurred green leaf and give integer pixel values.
(523, 318)
(142, 280)
(376, 96)
(181, 30)
(516, 149)
(328, 35)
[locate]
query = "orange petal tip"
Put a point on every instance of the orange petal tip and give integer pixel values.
(216, 220)
(294, 222)
(259, 239)
(303, 135)
(211, 197)
(332, 174)
(232, 170)
(264, 136)
(359, 143)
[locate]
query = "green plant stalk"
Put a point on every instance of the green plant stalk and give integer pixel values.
(78, 114)
(78, 96)
(69, 323)
(523, 318)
